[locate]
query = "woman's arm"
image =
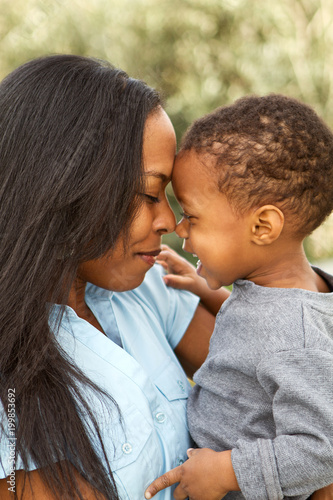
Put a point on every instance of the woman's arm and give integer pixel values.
(193, 348)
(323, 494)
(36, 489)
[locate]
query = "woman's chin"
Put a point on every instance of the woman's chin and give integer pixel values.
(129, 283)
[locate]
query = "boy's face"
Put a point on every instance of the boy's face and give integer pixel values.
(211, 230)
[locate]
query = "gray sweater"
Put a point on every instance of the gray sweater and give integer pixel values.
(266, 390)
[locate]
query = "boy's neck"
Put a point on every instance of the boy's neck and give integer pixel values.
(292, 270)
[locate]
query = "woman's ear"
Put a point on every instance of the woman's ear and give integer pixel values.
(266, 225)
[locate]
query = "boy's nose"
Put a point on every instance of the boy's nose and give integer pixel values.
(181, 229)
(166, 221)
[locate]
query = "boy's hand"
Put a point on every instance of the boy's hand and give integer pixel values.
(181, 274)
(204, 476)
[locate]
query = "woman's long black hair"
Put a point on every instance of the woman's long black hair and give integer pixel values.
(71, 136)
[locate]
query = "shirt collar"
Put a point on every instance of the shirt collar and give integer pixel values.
(96, 291)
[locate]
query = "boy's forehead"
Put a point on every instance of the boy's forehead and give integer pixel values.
(191, 162)
(193, 175)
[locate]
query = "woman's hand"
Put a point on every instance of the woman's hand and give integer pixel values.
(182, 275)
(323, 494)
(206, 475)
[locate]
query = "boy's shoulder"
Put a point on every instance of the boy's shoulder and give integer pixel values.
(276, 319)
(248, 291)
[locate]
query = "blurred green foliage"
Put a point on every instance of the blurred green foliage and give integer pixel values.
(199, 53)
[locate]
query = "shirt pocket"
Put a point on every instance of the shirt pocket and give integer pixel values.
(172, 383)
(174, 386)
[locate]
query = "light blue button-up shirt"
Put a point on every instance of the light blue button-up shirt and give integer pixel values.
(136, 365)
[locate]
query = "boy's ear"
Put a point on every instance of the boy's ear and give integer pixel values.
(266, 225)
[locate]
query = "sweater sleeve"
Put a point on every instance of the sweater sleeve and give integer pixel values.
(299, 460)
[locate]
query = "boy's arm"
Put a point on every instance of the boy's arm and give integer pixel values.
(193, 348)
(182, 275)
(209, 476)
(300, 457)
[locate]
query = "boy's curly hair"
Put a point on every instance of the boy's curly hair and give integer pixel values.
(270, 150)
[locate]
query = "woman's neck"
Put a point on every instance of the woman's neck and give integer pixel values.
(76, 300)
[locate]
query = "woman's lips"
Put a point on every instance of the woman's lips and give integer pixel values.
(149, 257)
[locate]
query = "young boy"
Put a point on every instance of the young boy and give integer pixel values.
(254, 179)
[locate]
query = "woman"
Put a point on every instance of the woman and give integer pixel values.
(93, 396)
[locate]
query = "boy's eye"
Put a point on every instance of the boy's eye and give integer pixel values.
(186, 216)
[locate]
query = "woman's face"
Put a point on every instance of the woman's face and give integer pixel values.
(121, 269)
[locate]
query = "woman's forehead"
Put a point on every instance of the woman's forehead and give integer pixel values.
(159, 146)
(154, 174)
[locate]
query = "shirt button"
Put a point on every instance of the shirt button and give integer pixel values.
(181, 385)
(180, 461)
(160, 417)
(127, 448)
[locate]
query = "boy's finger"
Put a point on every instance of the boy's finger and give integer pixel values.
(167, 254)
(162, 263)
(173, 259)
(176, 281)
(191, 451)
(162, 482)
(166, 247)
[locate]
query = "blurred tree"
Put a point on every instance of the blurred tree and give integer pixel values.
(200, 53)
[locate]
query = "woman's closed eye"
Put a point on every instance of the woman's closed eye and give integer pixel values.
(150, 198)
